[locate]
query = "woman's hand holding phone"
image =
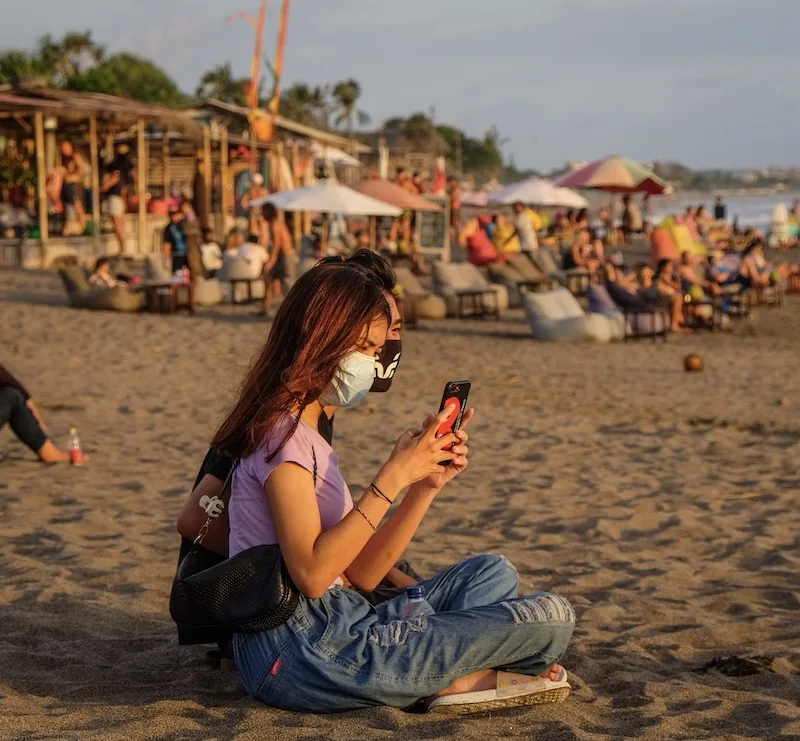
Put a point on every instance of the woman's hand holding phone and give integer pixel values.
(445, 474)
(418, 453)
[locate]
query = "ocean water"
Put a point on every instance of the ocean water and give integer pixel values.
(753, 211)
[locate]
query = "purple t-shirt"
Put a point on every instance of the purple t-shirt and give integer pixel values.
(250, 519)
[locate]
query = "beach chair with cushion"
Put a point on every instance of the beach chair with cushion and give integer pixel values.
(576, 280)
(83, 296)
(641, 318)
(238, 273)
(556, 316)
(416, 301)
(467, 291)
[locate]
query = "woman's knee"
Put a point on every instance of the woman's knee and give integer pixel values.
(497, 568)
(12, 397)
(543, 608)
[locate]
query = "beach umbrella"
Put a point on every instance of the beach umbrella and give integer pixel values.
(331, 198)
(478, 199)
(537, 192)
(334, 155)
(389, 192)
(614, 175)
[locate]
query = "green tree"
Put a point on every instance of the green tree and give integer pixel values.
(220, 83)
(308, 105)
(17, 65)
(62, 60)
(130, 76)
(346, 94)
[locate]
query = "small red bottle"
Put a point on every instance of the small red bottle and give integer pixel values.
(75, 452)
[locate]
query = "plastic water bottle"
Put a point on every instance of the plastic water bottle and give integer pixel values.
(416, 606)
(75, 451)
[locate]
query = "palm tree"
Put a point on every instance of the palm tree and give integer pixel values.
(221, 84)
(346, 94)
(16, 66)
(67, 59)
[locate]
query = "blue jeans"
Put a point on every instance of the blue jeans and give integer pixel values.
(340, 653)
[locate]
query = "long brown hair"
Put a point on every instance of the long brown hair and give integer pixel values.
(324, 315)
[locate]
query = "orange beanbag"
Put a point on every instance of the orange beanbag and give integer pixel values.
(662, 247)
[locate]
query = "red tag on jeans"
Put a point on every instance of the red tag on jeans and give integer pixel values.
(276, 667)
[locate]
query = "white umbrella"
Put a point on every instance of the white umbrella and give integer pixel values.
(538, 192)
(334, 155)
(328, 198)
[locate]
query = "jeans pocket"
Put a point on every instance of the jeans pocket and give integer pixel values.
(274, 675)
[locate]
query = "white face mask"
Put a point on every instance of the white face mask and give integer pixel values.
(351, 382)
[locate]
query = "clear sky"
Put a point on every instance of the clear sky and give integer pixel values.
(706, 82)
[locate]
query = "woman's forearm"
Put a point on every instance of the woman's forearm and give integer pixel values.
(384, 548)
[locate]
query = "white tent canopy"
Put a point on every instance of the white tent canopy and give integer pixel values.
(329, 198)
(538, 192)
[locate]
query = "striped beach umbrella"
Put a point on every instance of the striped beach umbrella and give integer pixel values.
(614, 175)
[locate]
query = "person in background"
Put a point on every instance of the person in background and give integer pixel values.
(257, 224)
(200, 193)
(175, 241)
(418, 182)
(582, 219)
(690, 278)
(117, 180)
(280, 266)
(454, 194)
(18, 410)
(102, 279)
(720, 210)
(631, 218)
(754, 271)
(211, 253)
(524, 229)
(193, 236)
(362, 240)
(255, 254)
(505, 237)
(665, 290)
(72, 188)
(690, 220)
(579, 255)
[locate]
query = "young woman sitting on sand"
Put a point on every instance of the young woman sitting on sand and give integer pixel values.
(18, 410)
(338, 652)
(215, 469)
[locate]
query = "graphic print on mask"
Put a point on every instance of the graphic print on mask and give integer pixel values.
(386, 366)
(351, 382)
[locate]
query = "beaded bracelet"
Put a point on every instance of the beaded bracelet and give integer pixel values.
(380, 494)
(361, 512)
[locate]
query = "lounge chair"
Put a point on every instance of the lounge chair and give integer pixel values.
(467, 291)
(83, 296)
(575, 280)
(238, 272)
(416, 301)
(556, 316)
(517, 271)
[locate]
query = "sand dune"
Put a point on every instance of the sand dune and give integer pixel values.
(663, 505)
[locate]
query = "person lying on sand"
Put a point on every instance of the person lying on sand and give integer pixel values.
(18, 410)
(215, 469)
(337, 652)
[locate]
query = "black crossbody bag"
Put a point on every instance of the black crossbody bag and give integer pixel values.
(248, 593)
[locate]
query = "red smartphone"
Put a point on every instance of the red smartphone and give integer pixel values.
(455, 393)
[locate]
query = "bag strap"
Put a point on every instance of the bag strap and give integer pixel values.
(221, 499)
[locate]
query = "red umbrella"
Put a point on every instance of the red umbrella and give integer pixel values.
(615, 175)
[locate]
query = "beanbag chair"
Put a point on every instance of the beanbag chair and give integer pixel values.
(663, 247)
(556, 316)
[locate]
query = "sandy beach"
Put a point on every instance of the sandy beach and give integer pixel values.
(663, 505)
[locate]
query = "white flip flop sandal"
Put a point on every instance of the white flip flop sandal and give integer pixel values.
(513, 690)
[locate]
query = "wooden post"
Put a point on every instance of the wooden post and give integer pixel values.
(297, 218)
(255, 165)
(141, 185)
(41, 179)
(373, 233)
(208, 170)
(94, 160)
(165, 165)
(224, 177)
(109, 148)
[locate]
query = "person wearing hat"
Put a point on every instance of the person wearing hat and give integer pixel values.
(119, 176)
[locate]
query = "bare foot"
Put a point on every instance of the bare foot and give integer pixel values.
(487, 680)
(49, 453)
